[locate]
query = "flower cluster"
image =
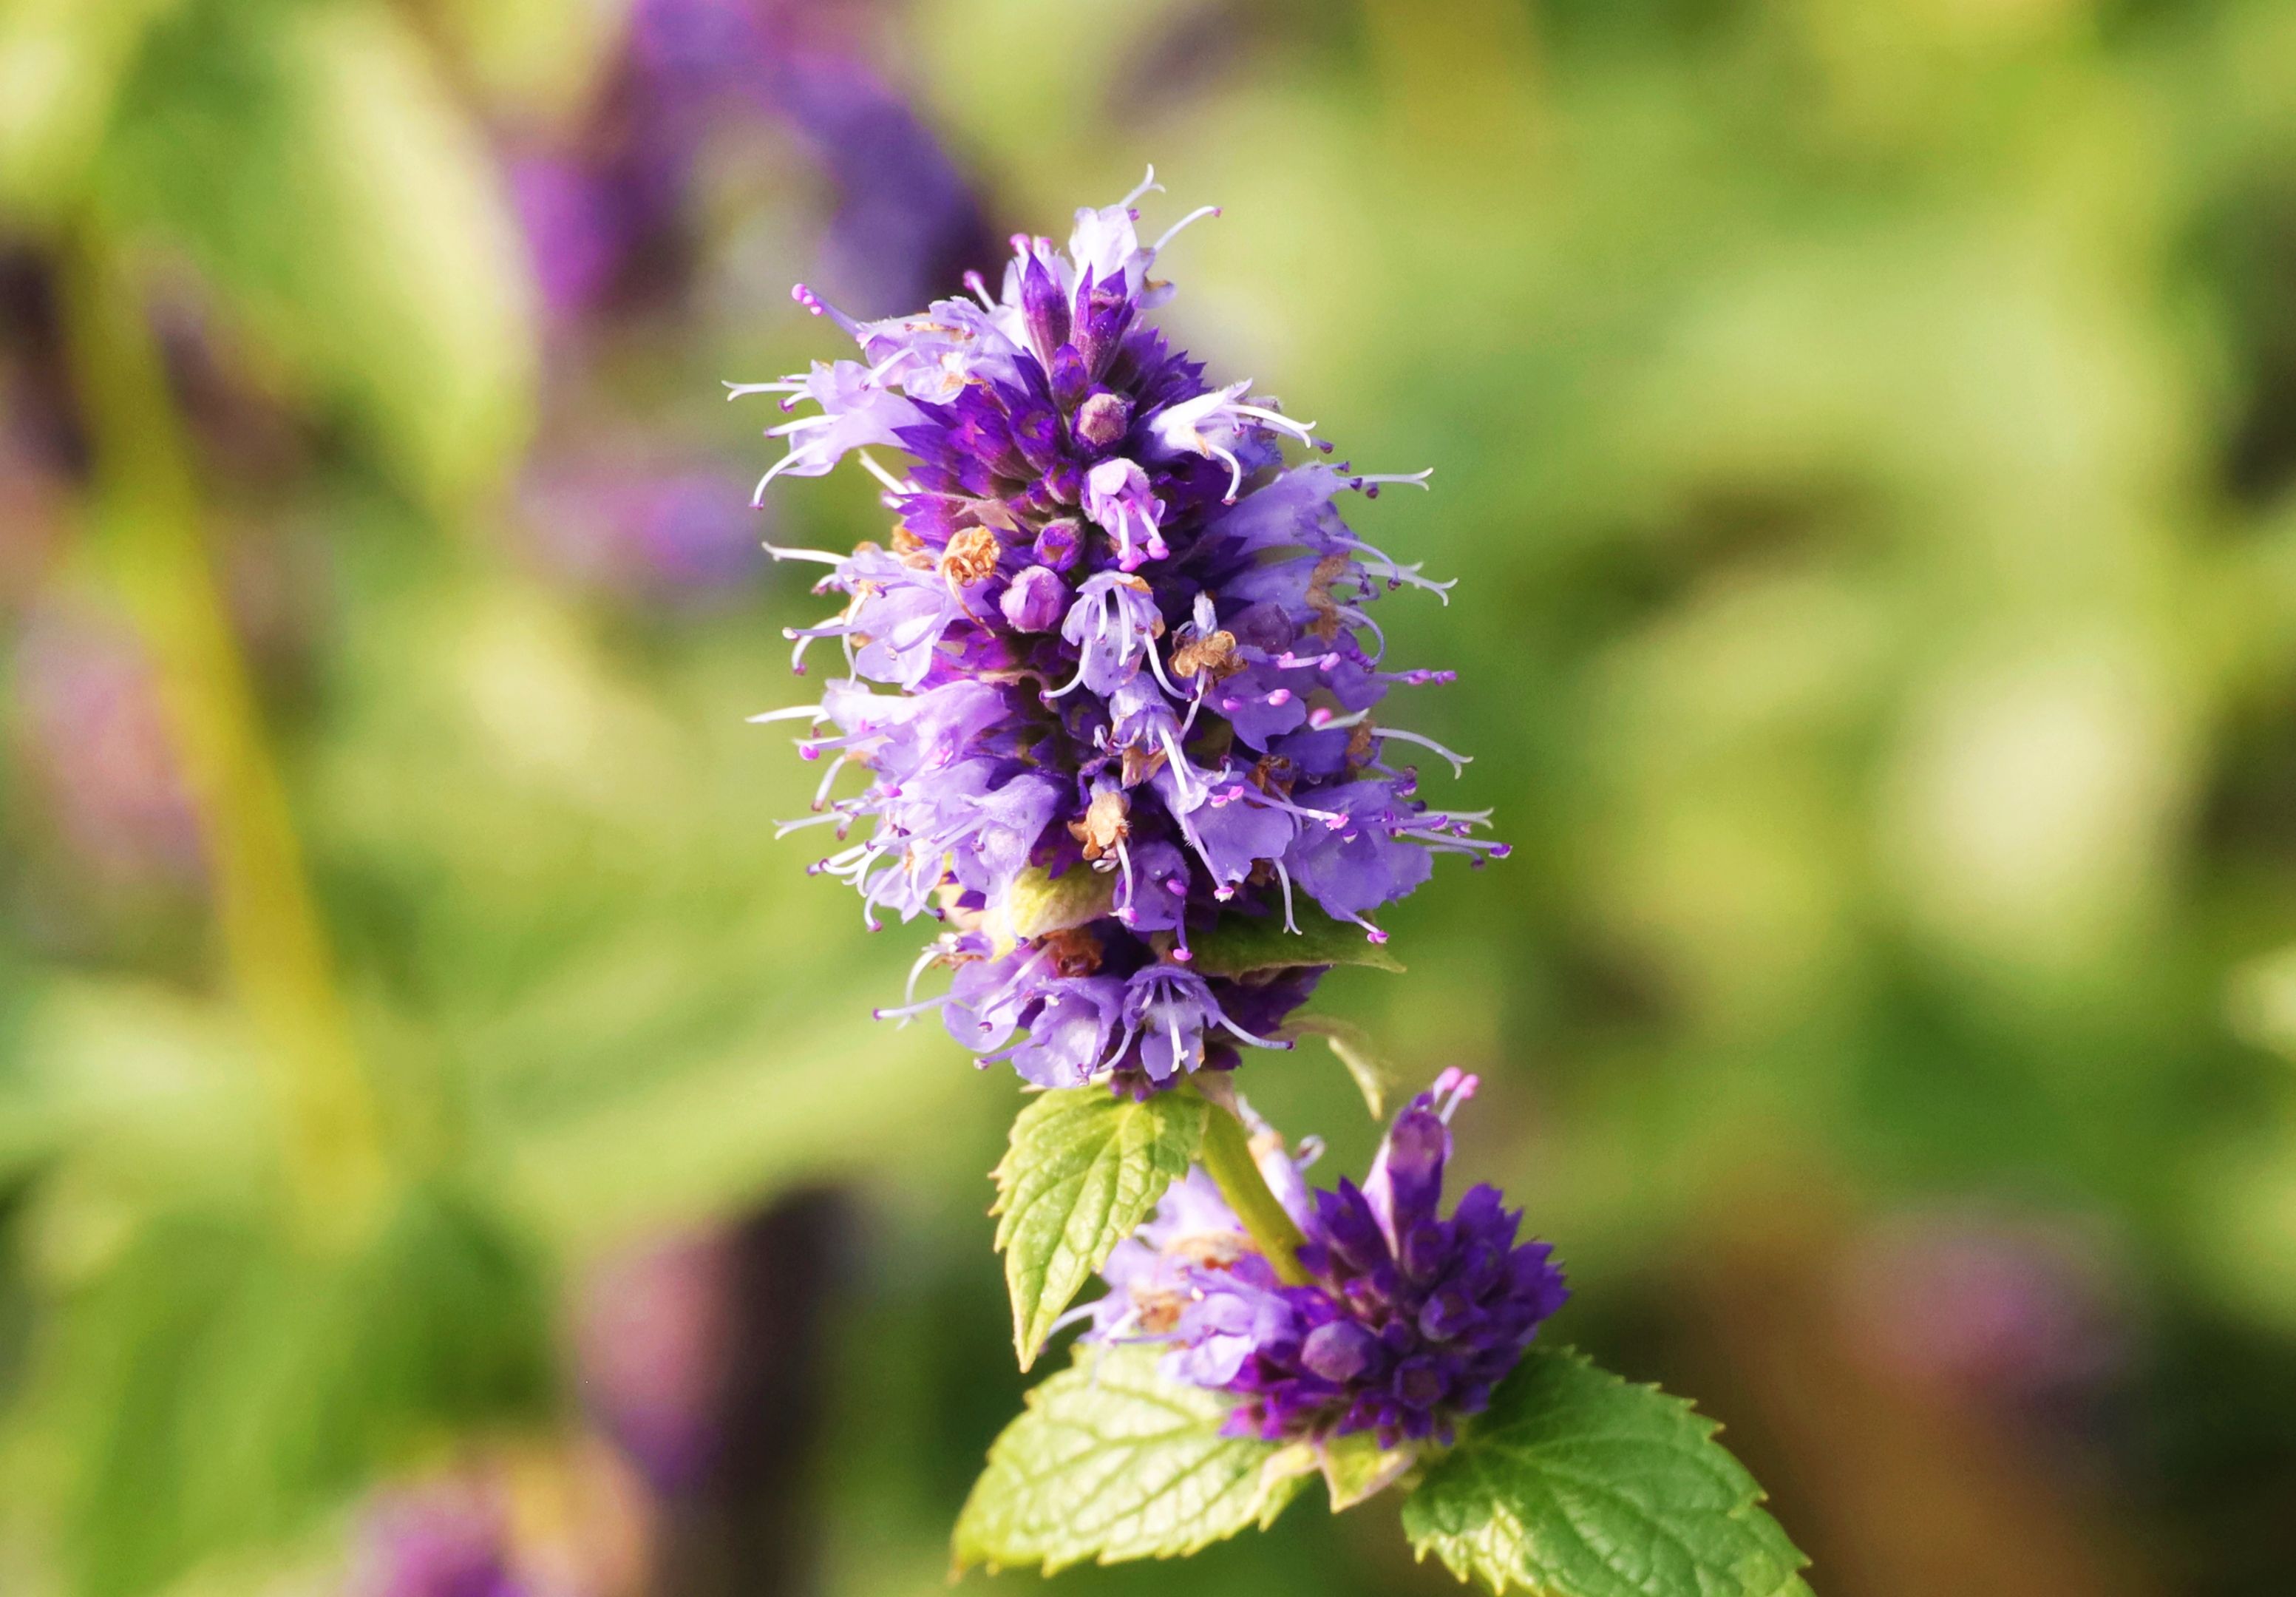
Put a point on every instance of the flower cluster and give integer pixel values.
(1136, 686)
(1406, 1322)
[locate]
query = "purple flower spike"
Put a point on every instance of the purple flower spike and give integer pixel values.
(1114, 680)
(1408, 1319)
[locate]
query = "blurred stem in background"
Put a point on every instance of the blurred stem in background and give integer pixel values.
(146, 531)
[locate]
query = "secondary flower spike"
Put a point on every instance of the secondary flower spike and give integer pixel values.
(1407, 1322)
(1111, 678)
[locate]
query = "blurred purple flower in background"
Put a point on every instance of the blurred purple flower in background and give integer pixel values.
(92, 736)
(574, 234)
(905, 224)
(652, 1348)
(1995, 1307)
(609, 223)
(445, 1539)
(628, 527)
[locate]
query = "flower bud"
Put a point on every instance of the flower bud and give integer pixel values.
(1044, 308)
(1071, 381)
(1103, 420)
(1060, 543)
(1037, 433)
(1036, 601)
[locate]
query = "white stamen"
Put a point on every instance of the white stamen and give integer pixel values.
(787, 827)
(1459, 762)
(933, 950)
(781, 552)
(804, 423)
(893, 484)
(829, 777)
(757, 498)
(1156, 664)
(1173, 232)
(1278, 420)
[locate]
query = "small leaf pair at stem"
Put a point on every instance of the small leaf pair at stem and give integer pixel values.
(1572, 1484)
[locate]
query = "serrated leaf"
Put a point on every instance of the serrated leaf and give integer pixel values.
(1084, 1168)
(1575, 1484)
(1241, 945)
(1111, 1461)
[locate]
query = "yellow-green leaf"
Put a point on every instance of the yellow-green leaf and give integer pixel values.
(1111, 1461)
(311, 163)
(1084, 1169)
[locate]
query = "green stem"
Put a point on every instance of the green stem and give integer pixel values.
(1226, 1157)
(148, 539)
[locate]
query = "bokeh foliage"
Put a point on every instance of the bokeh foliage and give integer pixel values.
(1864, 431)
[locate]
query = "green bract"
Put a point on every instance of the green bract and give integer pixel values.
(1237, 946)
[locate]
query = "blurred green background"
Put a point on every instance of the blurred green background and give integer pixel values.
(432, 1109)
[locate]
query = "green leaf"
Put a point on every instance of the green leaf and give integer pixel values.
(219, 1386)
(1241, 945)
(1575, 1484)
(1111, 1461)
(312, 163)
(61, 63)
(1084, 1168)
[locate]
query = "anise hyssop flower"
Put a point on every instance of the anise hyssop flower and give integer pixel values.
(1111, 677)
